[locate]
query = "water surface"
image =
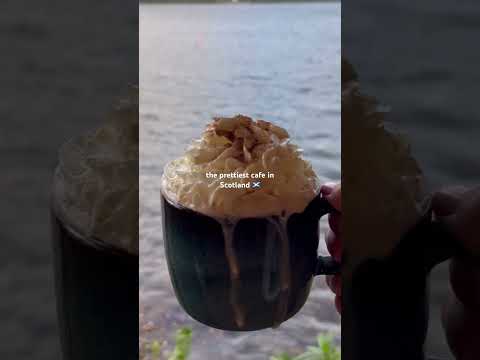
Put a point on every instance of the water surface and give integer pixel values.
(280, 62)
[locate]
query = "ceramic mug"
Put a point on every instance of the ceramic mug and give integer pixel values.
(385, 302)
(97, 295)
(247, 274)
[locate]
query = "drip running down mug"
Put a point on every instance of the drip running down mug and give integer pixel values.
(246, 275)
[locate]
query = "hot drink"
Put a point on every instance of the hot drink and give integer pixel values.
(240, 215)
(95, 238)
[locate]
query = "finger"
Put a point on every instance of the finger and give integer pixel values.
(465, 282)
(334, 283)
(327, 188)
(329, 281)
(334, 221)
(459, 209)
(337, 285)
(446, 202)
(334, 245)
(338, 304)
(335, 197)
(461, 329)
(466, 223)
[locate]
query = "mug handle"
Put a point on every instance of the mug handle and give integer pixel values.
(318, 207)
(431, 242)
(437, 244)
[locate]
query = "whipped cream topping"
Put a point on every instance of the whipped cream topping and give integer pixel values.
(244, 146)
(381, 181)
(96, 181)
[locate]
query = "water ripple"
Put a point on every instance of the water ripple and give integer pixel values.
(227, 60)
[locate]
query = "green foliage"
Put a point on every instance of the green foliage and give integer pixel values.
(324, 350)
(283, 356)
(183, 344)
(155, 349)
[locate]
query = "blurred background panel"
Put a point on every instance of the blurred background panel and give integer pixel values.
(417, 59)
(63, 65)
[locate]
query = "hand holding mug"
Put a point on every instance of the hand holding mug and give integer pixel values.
(333, 239)
(459, 209)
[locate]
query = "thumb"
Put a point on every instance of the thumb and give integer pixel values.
(446, 202)
(335, 198)
(459, 208)
(333, 194)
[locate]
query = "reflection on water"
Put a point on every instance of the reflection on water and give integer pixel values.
(278, 62)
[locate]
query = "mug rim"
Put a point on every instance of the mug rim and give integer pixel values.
(69, 225)
(179, 206)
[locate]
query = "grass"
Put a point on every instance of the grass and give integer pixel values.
(183, 344)
(154, 350)
(325, 349)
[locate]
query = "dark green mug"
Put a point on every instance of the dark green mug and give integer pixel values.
(97, 295)
(243, 275)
